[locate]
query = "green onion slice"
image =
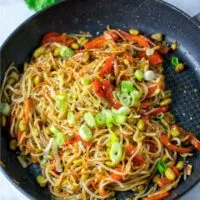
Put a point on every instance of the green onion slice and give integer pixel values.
(85, 81)
(61, 101)
(174, 61)
(127, 86)
(139, 75)
(60, 137)
(116, 153)
(90, 120)
(125, 99)
(70, 118)
(100, 119)
(161, 166)
(66, 52)
(119, 119)
(85, 133)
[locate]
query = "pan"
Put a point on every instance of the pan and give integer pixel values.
(149, 16)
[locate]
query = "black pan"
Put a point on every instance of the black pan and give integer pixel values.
(149, 16)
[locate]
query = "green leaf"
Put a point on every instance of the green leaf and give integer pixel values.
(39, 4)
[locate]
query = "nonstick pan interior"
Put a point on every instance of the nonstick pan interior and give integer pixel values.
(149, 16)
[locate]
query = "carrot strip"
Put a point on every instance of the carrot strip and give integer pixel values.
(95, 43)
(165, 141)
(28, 108)
(162, 182)
(117, 177)
(174, 168)
(158, 196)
(140, 39)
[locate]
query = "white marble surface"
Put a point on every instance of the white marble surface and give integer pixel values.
(12, 14)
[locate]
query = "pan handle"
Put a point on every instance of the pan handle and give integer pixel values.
(196, 19)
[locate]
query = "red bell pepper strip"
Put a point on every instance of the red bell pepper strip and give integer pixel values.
(98, 88)
(99, 41)
(159, 196)
(95, 43)
(157, 111)
(49, 37)
(111, 98)
(192, 138)
(146, 103)
(195, 142)
(139, 39)
(111, 34)
(152, 89)
(162, 182)
(155, 59)
(104, 90)
(57, 37)
(165, 141)
(107, 87)
(107, 67)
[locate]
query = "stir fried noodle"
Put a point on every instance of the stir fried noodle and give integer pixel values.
(94, 115)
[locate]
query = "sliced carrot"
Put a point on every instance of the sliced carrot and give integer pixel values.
(159, 196)
(130, 149)
(28, 108)
(115, 176)
(175, 169)
(162, 182)
(19, 135)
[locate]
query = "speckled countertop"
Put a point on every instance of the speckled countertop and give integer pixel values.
(13, 13)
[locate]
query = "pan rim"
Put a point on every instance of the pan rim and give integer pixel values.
(2, 169)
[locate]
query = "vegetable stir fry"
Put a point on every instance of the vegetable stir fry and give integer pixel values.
(94, 114)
